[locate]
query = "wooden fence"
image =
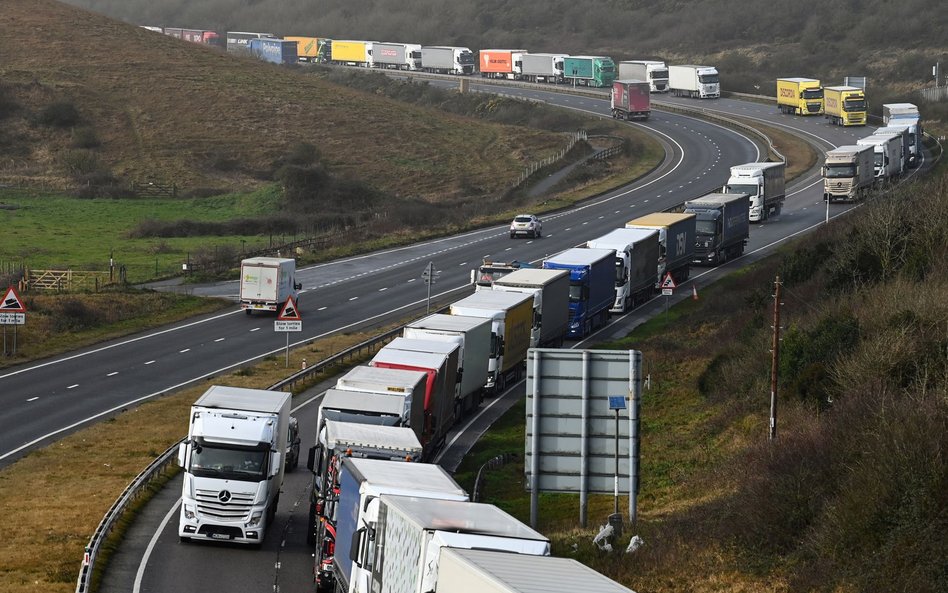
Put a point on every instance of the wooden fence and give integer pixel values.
(65, 280)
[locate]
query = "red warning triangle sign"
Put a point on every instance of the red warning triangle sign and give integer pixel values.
(12, 303)
(668, 281)
(289, 311)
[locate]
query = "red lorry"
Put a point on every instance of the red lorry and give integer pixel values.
(630, 99)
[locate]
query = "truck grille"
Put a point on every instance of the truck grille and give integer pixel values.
(813, 107)
(224, 505)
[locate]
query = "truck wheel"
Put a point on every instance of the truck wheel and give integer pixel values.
(247, 311)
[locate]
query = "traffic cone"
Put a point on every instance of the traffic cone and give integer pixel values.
(694, 292)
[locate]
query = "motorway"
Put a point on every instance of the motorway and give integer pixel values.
(47, 399)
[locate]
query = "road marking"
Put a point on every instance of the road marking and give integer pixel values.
(33, 399)
(381, 289)
(353, 298)
(255, 329)
(220, 339)
(183, 351)
(73, 386)
(412, 279)
(322, 308)
(112, 374)
(150, 362)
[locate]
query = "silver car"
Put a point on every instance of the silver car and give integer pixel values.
(526, 225)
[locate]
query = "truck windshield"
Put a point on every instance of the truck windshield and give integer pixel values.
(877, 159)
(659, 74)
(813, 94)
(620, 276)
(854, 105)
(840, 170)
(466, 58)
(229, 463)
(740, 188)
(706, 227)
(708, 78)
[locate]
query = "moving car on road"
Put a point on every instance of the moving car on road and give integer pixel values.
(526, 224)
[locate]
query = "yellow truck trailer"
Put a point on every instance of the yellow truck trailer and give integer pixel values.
(845, 105)
(799, 96)
(353, 53)
(307, 48)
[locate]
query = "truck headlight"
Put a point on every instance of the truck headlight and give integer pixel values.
(255, 519)
(188, 512)
(711, 254)
(574, 325)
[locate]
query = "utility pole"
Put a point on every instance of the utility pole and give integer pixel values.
(775, 360)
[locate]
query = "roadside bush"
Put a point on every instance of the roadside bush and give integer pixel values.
(73, 315)
(80, 162)
(805, 355)
(85, 137)
(8, 104)
(60, 114)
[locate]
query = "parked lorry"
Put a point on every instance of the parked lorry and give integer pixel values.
(473, 337)
(501, 63)
(550, 290)
(799, 96)
(596, 71)
(275, 51)
(461, 570)
(543, 67)
(233, 461)
(409, 385)
(491, 271)
(363, 407)
(511, 316)
(239, 41)
(400, 551)
(266, 283)
(397, 56)
(722, 227)
(630, 100)
(697, 82)
(203, 36)
(351, 53)
(902, 133)
(307, 48)
(766, 185)
(848, 172)
(676, 242)
(636, 259)
(906, 114)
(447, 60)
(845, 105)
(361, 483)
(440, 389)
(886, 155)
(652, 71)
(591, 287)
(448, 348)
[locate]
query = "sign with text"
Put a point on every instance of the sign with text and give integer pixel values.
(287, 326)
(12, 318)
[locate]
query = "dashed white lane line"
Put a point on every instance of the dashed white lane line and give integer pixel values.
(383, 288)
(220, 339)
(256, 329)
(112, 374)
(508, 249)
(183, 351)
(353, 298)
(150, 362)
(33, 399)
(412, 279)
(73, 386)
(322, 308)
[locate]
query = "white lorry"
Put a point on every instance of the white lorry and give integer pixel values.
(266, 283)
(361, 483)
(847, 172)
(766, 185)
(901, 132)
(542, 67)
(906, 114)
(447, 60)
(886, 156)
(396, 56)
(485, 571)
(400, 551)
(651, 71)
(233, 461)
(473, 337)
(636, 262)
(550, 290)
(410, 385)
(698, 82)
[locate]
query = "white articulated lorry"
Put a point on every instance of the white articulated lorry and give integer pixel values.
(766, 185)
(901, 132)
(542, 67)
(848, 172)
(698, 82)
(473, 337)
(396, 56)
(886, 156)
(361, 483)
(636, 262)
(487, 571)
(550, 290)
(266, 283)
(651, 71)
(400, 551)
(447, 60)
(233, 464)
(906, 114)
(410, 385)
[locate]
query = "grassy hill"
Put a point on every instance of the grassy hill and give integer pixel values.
(85, 99)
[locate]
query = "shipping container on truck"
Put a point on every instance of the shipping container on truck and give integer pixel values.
(594, 71)
(848, 173)
(676, 241)
(440, 390)
(410, 534)
(351, 53)
(473, 335)
(906, 114)
(543, 67)
(591, 287)
(765, 183)
(462, 570)
(886, 157)
(799, 96)
(511, 318)
(307, 48)
(697, 82)
(501, 63)
(275, 51)
(653, 71)
(630, 100)
(397, 56)
(239, 41)
(845, 105)
(361, 483)
(722, 227)
(550, 290)
(635, 264)
(441, 59)
(266, 283)
(901, 132)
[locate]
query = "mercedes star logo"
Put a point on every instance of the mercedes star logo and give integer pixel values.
(224, 496)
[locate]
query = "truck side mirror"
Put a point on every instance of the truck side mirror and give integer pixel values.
(311, 460)
(277, 463)
(823, 171)
(182, 453)
(298, 286)
(354, 546)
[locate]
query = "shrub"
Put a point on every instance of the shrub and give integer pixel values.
(8, 105)
(80, 162)
(60, 114)
(85, 137)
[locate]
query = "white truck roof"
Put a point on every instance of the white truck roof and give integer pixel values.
(363, 401)
(463, 517)
(893, 129)
(369, 378)
(442, 322)
(491, 300)
(423, 360)
(426, 477)
(715, 199)
(580, 256)
(380, 437)
(751, 168)
(799, 79)
(841, 88)
(420, 345)
(486, 571)
(266, 261)
(240, 398)
(619, 239)
(873, 140)
(530, 277)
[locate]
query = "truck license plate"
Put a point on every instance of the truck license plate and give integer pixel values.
(220, 536)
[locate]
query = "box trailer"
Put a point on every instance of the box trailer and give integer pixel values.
(397, 56)
(275, 51)
(543, 67)
(591, 286)
(799, 96)
(550, 290)
(351, 53)
(408, 385)
(652, 71)
(764, 183)
(594, 71)
(887, 155)
(676, 242)
(722, 227)
(845, 105)
(636, 259)
(501, 63)
(441, 59)
(307, 48)
(266, 283)
(697, 82)
(630, 100)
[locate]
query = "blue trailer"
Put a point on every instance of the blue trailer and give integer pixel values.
(278, 51)
(591, 286)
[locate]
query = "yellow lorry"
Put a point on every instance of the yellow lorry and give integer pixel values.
(799, 96)
(307, 48)
(352, 53)
(845, 105)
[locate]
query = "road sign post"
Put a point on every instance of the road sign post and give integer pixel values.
(12, 312)
(668, 288)
(289, 320)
